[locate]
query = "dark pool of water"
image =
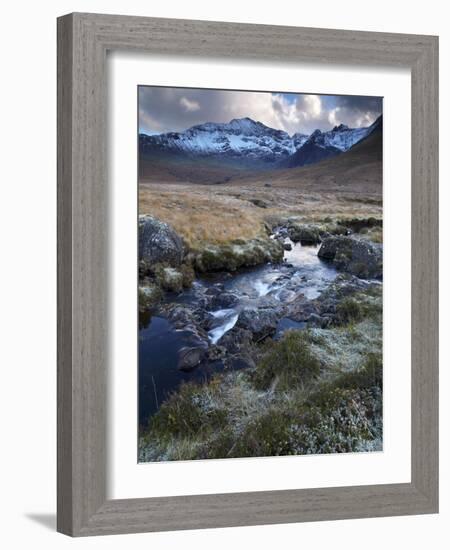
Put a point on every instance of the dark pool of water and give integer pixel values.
(159, 342)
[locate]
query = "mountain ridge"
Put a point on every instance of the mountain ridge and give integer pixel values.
(253, 141)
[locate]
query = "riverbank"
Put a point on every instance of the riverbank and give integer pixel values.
(264, 345)
(313, 390)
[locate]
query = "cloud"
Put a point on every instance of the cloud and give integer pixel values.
(189, 105)
(175, 109)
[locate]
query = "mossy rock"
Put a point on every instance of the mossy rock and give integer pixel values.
(305, 234)
(149, 295)
(359, 224)
(168, 278)
(355, 256)
(237, 254)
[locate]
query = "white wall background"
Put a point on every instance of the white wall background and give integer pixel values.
(28, 272)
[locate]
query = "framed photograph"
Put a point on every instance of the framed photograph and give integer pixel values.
(247, 274)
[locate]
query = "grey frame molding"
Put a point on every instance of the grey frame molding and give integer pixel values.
(83, 41)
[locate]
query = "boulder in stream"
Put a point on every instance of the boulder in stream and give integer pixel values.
(305, 234)
(189, 358)
(159, 243)
(261, 322)
(355, 256)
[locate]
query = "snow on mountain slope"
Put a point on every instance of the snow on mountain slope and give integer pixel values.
(238, 138)
(342, 137)
(321, 145)
(247, 139)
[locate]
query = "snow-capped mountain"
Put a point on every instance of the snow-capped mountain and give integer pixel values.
(342, 137)
(321, 145)
(311, 152)
(238, 138)
(247, 140)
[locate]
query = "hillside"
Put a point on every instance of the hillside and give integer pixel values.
(221, 153)
(359, 170)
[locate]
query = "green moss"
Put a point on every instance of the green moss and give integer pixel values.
(188, 275)
(368, 376)
(168, 278)
(266, 435)
(189, 411)
(237, 254)
(317, 391)
(289, 362)
(349, 310)
(149, 295)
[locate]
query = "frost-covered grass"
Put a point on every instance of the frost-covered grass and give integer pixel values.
(313, 391)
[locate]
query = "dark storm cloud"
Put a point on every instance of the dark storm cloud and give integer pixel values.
(175, 109)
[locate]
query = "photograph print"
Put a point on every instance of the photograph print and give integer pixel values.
(260, 238)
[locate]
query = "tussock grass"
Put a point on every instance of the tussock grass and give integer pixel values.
(314, 391)
(200, 216)
(289, 363)
(222, 213)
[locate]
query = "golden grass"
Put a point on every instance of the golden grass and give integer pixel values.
(221, 213)
(201, 216)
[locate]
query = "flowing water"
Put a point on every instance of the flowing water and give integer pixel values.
(263, 286)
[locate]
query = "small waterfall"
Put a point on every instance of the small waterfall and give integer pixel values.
(230, 317)
(261, 287)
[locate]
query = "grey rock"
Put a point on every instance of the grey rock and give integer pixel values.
(236, 340)
(355, 256)
(189, 358)
(224, 300)
(260, 322)
(159, 243)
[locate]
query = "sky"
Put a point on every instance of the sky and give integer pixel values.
(164, 110)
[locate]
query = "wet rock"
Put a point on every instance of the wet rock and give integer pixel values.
(282, 232)
(287, 246)
(260, 322)
(343, 286)
(286, 296)
(158, 243)
(216, 353)
(305, 234)
(190, 358)
(188, 319)
(224, 300)
(236, 340)
(301, 309)
(358, 257)
(215, 290)
(324, 311)
(213, 321)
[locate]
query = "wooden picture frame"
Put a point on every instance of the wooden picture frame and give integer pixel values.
(83, 41)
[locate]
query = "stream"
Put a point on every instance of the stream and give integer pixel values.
(264, 286)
